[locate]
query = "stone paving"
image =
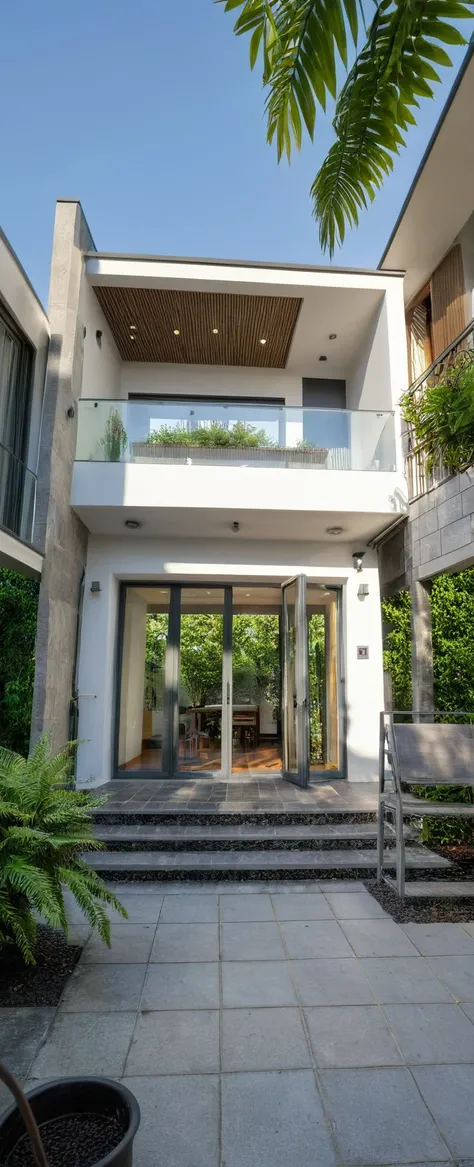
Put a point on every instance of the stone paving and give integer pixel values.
(254, 793)
(268, 1024)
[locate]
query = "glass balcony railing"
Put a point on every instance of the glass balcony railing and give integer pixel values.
(17, 496)
(234, 433)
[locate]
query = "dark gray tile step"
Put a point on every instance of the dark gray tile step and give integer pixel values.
(417, 858)
(212, 837)
(446, 889)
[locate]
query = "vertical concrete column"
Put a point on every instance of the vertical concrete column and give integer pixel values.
(422, 647)
(58, 531)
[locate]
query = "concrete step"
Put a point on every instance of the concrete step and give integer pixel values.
(439, 889)
(257, 815)
(252, 864)
(244, 836)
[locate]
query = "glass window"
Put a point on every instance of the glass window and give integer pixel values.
(142, 690)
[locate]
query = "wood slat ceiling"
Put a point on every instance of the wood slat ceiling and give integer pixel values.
(241, 321)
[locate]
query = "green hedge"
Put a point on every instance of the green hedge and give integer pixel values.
(18, 612)
(452, 606)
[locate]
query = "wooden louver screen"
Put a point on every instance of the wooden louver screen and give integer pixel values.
(448, 301)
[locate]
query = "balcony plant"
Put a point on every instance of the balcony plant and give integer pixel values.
(442, 415)
(214, 435)
(45, 825)
(114, 441)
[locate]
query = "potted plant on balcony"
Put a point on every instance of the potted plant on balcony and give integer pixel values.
(441, 415)
(114, 441)
(172, 444)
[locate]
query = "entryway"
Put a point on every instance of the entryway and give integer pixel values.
(239, 680)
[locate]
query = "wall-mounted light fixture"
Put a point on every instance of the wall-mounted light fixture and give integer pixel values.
(358, 557)
(70, 411)
(132, 524)
(235, 527)
(95, 587)
(363, 591)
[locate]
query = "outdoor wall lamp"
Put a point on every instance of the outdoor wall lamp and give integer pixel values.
(358, 557)
(363, 591)
(95, 587)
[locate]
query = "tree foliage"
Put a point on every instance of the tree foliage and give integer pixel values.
(44, 827)
(18, 613)
(303, 45)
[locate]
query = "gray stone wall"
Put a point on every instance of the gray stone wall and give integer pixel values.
(58, 531)
(442, 523)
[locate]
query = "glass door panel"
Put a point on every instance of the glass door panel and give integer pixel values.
(256, 679)
(142, 721)
(200, 684)
(322, 617)
(295, 683)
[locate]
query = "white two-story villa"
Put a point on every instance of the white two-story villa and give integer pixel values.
(225, 446)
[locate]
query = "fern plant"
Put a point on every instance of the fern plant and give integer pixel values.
(45, 825)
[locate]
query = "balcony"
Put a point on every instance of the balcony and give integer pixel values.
(197, 433)
(17, 496)
(178, 464)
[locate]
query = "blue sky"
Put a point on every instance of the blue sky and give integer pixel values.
(148, 113)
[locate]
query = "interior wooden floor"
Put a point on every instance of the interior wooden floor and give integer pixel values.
(262, 758)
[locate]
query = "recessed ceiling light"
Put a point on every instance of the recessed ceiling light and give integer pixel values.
(208, 593)
(176, 331)
(132, 524)
(132, 327)
(263, 340)
(323, 358)
(132, 336)
(334, 530)
(215, 331)
(247, 593)
(333, 336)
(163, 591)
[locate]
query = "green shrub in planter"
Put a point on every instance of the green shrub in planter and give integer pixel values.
(442, 415)
(214, 435)
(44, 826)
(114, 441)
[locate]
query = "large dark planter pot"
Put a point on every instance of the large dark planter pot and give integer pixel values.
(71, 1096)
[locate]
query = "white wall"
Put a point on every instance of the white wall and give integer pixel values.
(210, 380)
(23, 305)
(102, 364)
(112, 559)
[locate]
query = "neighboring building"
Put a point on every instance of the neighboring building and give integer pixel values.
(142, 533)
(24, 341)
(433, 241)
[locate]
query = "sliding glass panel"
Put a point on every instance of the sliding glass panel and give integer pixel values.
(322, 617)
(142, 692)
(256, 716)
(295, 683)
(201, 647)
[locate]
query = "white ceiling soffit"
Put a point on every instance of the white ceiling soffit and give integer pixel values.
(441, 197)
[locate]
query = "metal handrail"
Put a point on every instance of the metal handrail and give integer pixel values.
(420, 480)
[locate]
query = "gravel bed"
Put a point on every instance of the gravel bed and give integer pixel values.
(42, 983)
(238, 844)
(72, 1140)
(232, 818)
(423, 911)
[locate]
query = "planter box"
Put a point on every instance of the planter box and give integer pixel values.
(244, 455)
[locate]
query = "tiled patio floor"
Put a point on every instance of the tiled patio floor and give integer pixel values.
(261, 1026)
(135, 795)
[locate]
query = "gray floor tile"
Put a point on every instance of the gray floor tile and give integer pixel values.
(332, 982)
(344, 885)
(302, 906)
(377, 938)
(449, 1093)
(104, 988)
(314, 938)
(22, 1032)
(130, 945)
(440, 939)
(252, 941)
(84, 1044)
(186, 909)
(432, 1034)
(253, 983)
(351, 1035)
(263, 1039)
(355, 906)
(142, 908)
(246, 907)
(181, 986)
(379, 1117)
(404, 980)
(272, 1120)
(457, 973)
(179, 1121)
(175, 1042)
(185, 942)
